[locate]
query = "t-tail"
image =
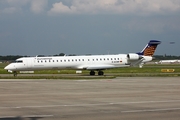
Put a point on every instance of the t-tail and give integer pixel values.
(150, 48)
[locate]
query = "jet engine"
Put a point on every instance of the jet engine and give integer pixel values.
(133, 56)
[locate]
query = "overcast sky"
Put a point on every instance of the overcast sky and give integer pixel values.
(48, 27)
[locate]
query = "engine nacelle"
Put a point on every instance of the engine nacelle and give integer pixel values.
(133, 56)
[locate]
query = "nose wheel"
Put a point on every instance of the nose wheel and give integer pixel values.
(15, 73)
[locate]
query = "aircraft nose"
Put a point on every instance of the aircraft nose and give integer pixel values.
(9, 67)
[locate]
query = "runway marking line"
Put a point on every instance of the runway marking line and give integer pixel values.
(152, 110)
(99, 104)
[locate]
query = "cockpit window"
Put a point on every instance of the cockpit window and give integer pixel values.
(18, 61)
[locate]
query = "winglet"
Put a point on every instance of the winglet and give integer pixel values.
(150, 48)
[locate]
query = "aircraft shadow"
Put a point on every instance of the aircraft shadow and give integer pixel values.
(21, 118)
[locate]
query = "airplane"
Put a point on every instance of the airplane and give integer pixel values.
(168, 61)
(91, 62)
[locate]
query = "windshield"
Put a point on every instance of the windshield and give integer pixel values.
(18, 61)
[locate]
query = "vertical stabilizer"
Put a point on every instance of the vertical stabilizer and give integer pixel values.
(150, 48)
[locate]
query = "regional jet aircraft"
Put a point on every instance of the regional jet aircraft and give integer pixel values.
(92, 62)
(168, 61)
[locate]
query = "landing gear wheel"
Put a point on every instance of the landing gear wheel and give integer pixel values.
(92, 73)
(15, 73)
(100, 73)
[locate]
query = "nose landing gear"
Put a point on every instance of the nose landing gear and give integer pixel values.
(15, 73)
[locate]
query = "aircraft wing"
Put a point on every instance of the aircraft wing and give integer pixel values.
(96, 67)
(136, 63)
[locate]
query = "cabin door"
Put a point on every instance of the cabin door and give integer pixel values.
(29, 63)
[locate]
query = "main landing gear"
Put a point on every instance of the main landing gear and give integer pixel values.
(99, 72)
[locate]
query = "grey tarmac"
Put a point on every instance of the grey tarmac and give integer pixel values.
(125, 98)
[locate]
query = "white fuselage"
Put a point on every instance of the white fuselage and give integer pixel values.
(94, 62)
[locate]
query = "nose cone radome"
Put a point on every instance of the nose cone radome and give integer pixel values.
(9, 67)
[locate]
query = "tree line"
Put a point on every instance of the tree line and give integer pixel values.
(10, 57)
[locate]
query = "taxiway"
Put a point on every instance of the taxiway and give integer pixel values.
(131, 98)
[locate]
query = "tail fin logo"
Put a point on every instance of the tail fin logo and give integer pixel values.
(149, 51)
(150, 48)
